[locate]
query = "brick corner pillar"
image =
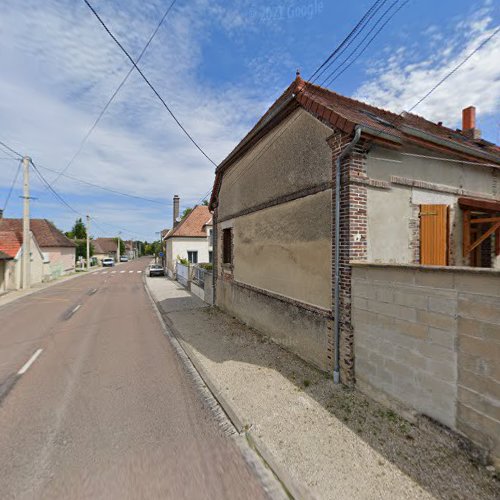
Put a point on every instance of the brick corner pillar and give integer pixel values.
(353, 239)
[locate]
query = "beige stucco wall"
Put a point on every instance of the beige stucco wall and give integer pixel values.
(294, 156)
(429, 338)
(14, 268)
(389, 211)
(286, 249)
(61, 260)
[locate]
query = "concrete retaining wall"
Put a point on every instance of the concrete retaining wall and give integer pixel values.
(429, 338)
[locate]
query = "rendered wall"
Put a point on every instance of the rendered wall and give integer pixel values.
(286, 249)
(179, 247)
(430, 338)
(292, 157)
(393, 211)
(61, 260)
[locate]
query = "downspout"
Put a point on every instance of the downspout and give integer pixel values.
(342, 155)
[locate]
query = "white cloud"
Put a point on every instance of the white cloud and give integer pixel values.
(60, 69)
(401, 80)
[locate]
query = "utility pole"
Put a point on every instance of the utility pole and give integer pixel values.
(88, 242)
(26, 261)
(118, 248)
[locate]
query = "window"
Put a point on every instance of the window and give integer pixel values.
(210, 257)
(227, 246)
(192, 257)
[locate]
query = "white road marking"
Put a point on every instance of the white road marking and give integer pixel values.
(104, 272)
(139, 272)
(131, 272)
(76, 309)
(30, 361)
(121, 272)
(113, 272)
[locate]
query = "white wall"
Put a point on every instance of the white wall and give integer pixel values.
(179, 247)
(61, 260)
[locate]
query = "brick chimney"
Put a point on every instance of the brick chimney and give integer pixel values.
(469, 123)
(176, 210)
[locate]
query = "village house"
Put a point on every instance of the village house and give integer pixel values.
(104, 248)
(366, 242)
(58, 251)
(189, 238)
(11, 248)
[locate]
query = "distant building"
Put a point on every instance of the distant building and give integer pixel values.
(105, 247)
(190, 238)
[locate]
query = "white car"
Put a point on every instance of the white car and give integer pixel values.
(108, 262)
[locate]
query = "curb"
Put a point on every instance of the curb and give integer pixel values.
(293, 489)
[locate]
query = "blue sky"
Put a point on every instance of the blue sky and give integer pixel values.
(219, 65)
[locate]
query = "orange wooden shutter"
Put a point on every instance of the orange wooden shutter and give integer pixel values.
(434, 235)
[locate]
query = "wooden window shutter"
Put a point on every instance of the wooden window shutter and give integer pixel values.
(434, 235)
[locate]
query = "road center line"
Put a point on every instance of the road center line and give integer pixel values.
(30, 361)
(121, 272)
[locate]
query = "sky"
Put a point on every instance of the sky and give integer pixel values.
(219, 65)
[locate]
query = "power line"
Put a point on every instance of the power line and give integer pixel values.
(357, 30)
(11, 149)
(361, 22)
(335, 74)
(308, 84)
(115, 93)
(456, 68)
(12, 185)
(114, 191)
(149, 83)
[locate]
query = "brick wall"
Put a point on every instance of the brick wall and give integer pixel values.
(429, 338)
(353, 240)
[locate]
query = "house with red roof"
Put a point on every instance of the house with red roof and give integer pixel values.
(58, 250)
(189, 239)
(11, 250)
(357, 238)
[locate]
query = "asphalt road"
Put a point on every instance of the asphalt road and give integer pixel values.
(106, 409)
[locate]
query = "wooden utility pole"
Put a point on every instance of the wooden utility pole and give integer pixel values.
(26, 259)
(88, 242)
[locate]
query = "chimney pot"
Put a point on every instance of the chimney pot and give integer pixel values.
(469, 123)
(176, 210)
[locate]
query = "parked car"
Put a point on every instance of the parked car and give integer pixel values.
(123, 258)
(156, 270)
(108, 262)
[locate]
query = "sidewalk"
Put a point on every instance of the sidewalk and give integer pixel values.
(13, 295)
(336, 441)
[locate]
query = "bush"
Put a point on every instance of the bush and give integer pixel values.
(206, 266)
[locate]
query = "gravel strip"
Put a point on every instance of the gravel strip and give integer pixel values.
(337, 441)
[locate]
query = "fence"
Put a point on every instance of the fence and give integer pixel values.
(182, 272)
(199, 276)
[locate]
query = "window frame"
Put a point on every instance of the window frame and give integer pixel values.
(227, 246)
(195, 252)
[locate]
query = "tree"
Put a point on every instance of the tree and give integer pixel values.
(78, 232)
(205, 203)
(122, 246)
(186, 212)
(81, 249)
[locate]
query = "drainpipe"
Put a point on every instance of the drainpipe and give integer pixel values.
(342, 155)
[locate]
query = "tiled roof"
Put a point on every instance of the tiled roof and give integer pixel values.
(344, 113)
(105, 245)
(193, 225)
(46, 234)
(10, 243)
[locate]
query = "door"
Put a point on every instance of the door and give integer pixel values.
(434, 235)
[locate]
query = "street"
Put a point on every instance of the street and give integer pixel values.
(95, 403)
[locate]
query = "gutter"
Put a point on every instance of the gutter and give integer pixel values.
(338, 161)
(463, 148)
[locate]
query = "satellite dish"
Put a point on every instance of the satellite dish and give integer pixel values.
(178, 219)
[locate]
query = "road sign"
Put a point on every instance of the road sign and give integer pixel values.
(161, 254)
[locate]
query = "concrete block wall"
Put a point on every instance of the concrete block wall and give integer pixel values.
(429, 338)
